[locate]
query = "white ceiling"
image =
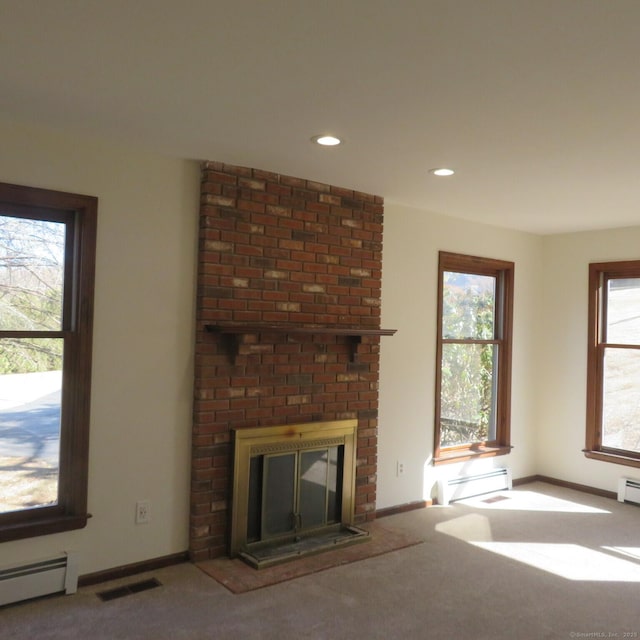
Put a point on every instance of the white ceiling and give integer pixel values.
(535, 103)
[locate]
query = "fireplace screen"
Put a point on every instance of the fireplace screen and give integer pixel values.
(292, 483)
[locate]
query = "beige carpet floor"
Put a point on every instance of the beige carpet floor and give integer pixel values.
(543, 563)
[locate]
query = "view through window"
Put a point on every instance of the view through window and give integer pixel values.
(467, 394)
(621, 398)
(31, 300)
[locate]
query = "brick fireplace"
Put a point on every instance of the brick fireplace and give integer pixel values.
(279, 252)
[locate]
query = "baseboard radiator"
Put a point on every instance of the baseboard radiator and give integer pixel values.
(39, 578)
(629, 490)
(459, 487)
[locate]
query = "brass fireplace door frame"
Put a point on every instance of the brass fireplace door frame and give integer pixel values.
(249, 442)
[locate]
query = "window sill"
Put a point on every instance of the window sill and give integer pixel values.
(41, 527)
(615, 458)
(460, 455)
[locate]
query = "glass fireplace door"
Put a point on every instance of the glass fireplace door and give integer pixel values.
(279, 494)
(317, 489)
(301, 490)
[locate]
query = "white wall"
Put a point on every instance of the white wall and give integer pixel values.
(412, 239)
(143, 334)
(561, 436)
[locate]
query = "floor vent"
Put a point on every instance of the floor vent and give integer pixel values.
(460, 487)
(39, 578)
(629, 490)
(128, 589)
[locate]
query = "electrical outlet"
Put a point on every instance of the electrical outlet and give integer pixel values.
(400, 468)
(143, 511)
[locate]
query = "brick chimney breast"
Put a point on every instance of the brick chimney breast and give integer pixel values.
(284, 251)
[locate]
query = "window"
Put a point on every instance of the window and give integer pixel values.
(473, 373)
(47, 264)
(613, 372)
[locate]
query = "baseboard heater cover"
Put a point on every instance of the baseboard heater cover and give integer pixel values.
(629, 490)
(39, 578)
(460, 487)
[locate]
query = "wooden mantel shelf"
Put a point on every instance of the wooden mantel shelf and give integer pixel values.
(278, 328)
(231, 331)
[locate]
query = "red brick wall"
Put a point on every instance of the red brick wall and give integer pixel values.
(281, 250)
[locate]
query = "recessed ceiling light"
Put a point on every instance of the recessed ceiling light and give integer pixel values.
(326, 141)
(442, 172)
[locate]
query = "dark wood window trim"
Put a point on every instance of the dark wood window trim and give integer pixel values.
(599, 273)
(504, 273)
(80, 214)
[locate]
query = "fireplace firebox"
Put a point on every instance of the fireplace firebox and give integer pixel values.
(293, 491)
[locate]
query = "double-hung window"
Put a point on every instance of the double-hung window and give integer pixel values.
(473, 372)
(613, 373)
(47, 264)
